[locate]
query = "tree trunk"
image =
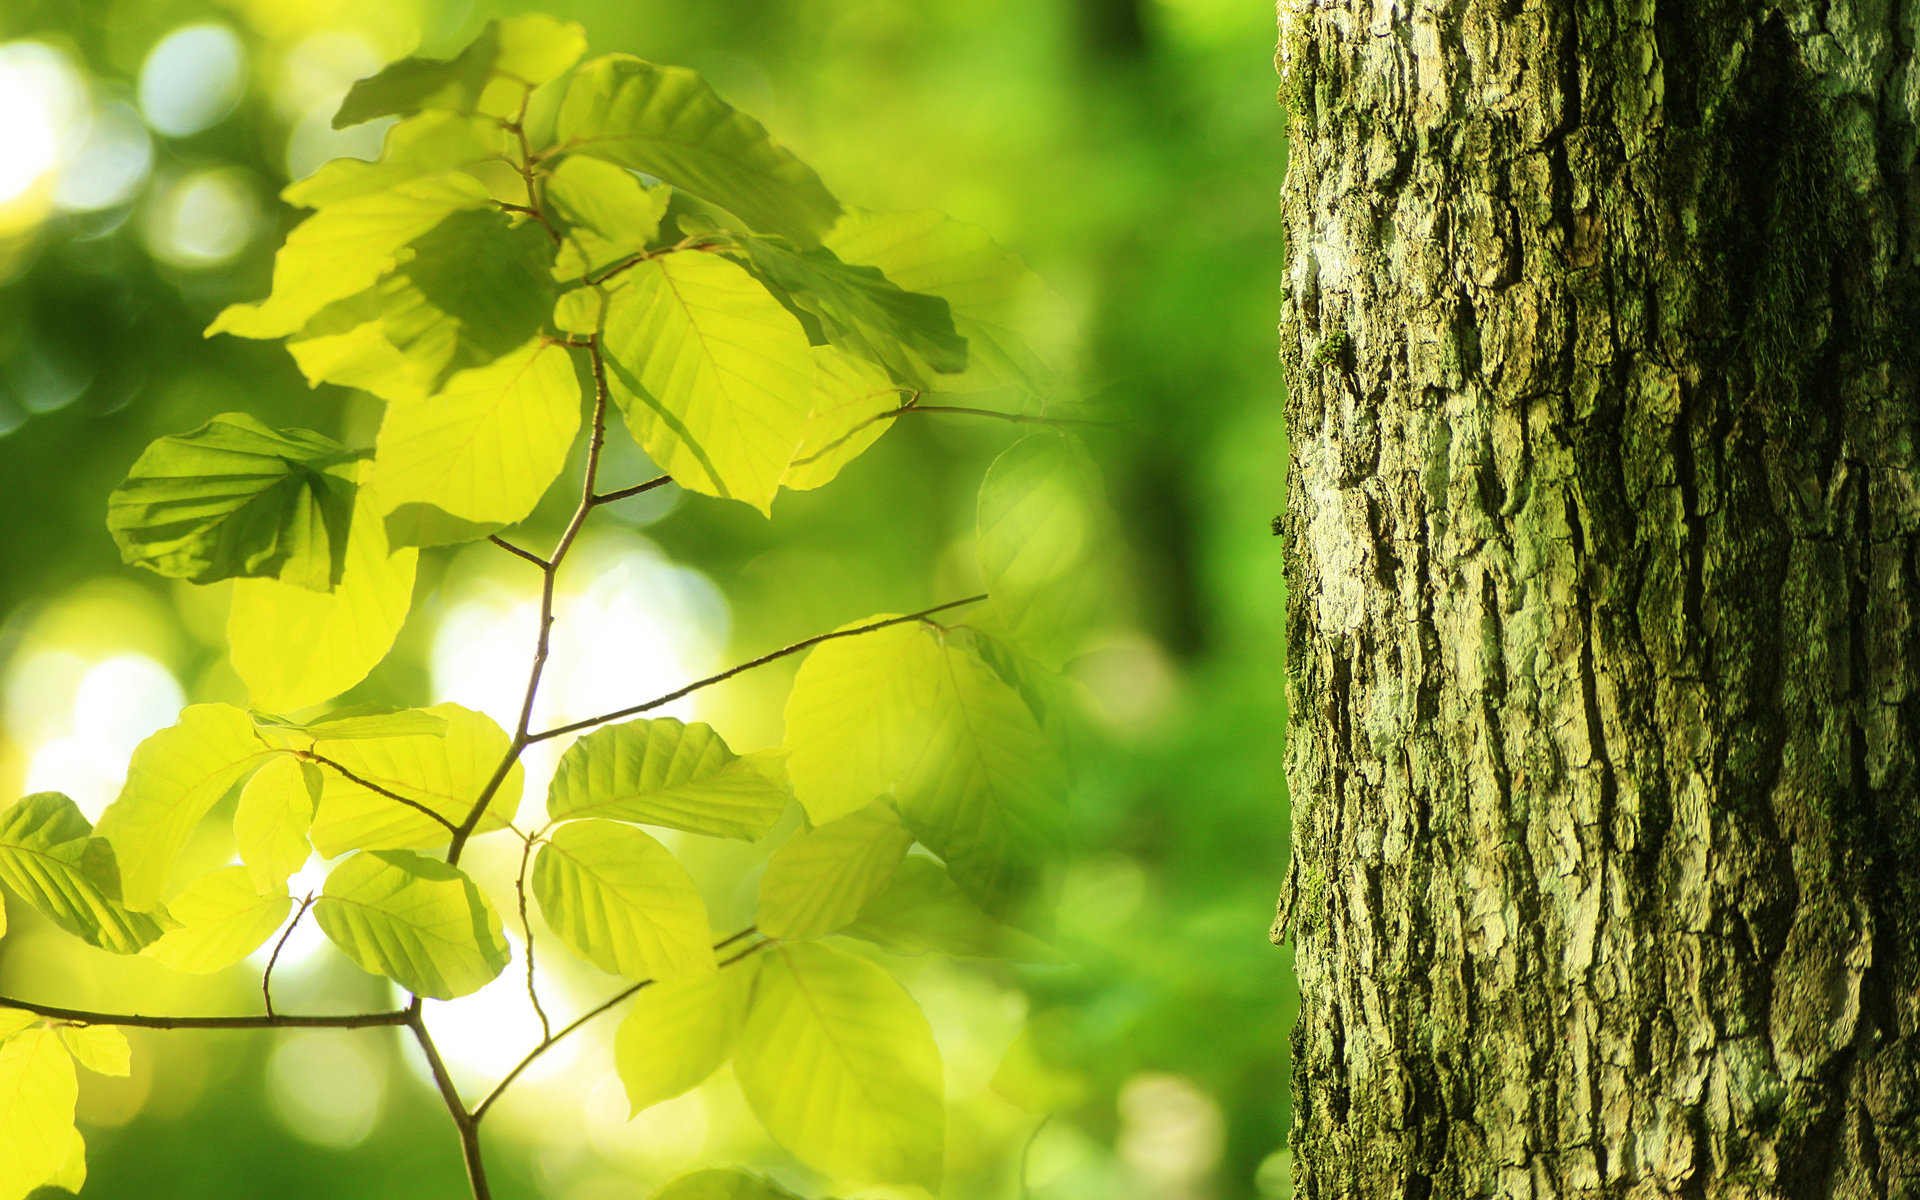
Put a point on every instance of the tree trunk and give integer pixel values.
(1602, 335)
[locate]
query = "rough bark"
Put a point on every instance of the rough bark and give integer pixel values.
(1602, 331)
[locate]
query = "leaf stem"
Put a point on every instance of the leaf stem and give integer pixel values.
(370, 785)
(635, 490)
(730, 672)
(510, 548)
(273, 960)
(81, 1016)
(526, 932)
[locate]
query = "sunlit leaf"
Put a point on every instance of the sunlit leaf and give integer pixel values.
(839, 1064)
(37, 1092)
(101, 1049)
(845, 743)
(270, 825)
(822, 877)
(619, 899)
(492, 75)
(432, 143)
(346, 247)
(235, 499)
(358, 721)
(1014, 326)
(72, 1176)
(922, 910)
(175, 777)
(850, 396)
(50, 859)
(723, 1183)
(714, 376)
(294, 647)
(667, 122)
(485, 449)
(444, 772)
(679, 1031)
(13, 1020)
(608, 214)
(221, 919)
(662, 772)
(416, 920)
(1044, 544)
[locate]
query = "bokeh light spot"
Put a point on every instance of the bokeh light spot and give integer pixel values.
(191, 79)
(327, 1086)
(45, 102)
(203, 219)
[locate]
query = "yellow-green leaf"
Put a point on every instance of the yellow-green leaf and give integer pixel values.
(845, 742)
(493, 74)
(13, 1020)
(485, 449)
(608, 214)
(175, 777)
(678, 1032)
(37, 1092)
(294, 647)
(667, 122)
(921, 909)
(433, 143)
(444, 772)
(1044, 542)
(50, 859)
(221, 919)
(270, 824)
(619, 899)
(840, 1065)
(850, 398)
(358, 721)
(822, 878)
(415, 920)
(101, 1049)
(72, 1176)
(723, 1183)
(714, 376)
(663, 772)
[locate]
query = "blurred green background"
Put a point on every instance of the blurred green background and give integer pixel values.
(1131, 150)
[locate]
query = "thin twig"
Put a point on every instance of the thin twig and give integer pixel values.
(273, 960)
(914, 406)
(456, 1108)
(526, 932)
(81, 1016)
(730, 672)
(480, 1109)
(371, 786)
(518, 128)
(626, 264)
(510, 548)
(635, 490)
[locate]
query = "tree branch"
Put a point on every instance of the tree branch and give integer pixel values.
(913, 405)
(526, 932)
(468, 1126)
(635, 490)
(762, 661)
(510, 548)
(81, 1016)
(371, 786)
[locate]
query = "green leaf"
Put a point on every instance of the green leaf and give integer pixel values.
(485, 449)
(912, 710)
(492, 75)
(723, 1183)
(922, 909)
(72, 1176)
(433, 143)
(839, 1064)
(270, 825)
(443, 771)
(862, 311)
(822, 877)
(50, 859)
(235, 499)
(714, 376)
(679, 1031)
(101, 1049)
(37, 1092)
(1027, 1078)
(222, 919)
(607, 212)
(1015, 328)
(1044, 533)
(345, 248)
(661, 772)
(175, 777)
(358, 721)
(667, 122)
(13, 1020)
(294, 647)
(620, 900)
(416, 920)
(851, 396)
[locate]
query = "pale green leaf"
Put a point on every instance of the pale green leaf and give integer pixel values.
(37, 1092)
(1044, 542)
(679, 1031)
(270, 825)
(608, 214)
(50, 859)
(846, 745)
(619, 899)
(822, 877)
(346, 247)
(294, 647)
(444, 772)
(714, 376)
(667, 122)
(847, 414)
(235, 499)
(221, 920)
(72, 1176)
(492, 75)
(723, 1183)
(840, 1065)
(358, 721)
(922, 909)
(433, 143)
(415, 920)
(662, 772)
(101, 1049)
(1016, 329)
(175, 777)
(486, 448)
(13, 1020)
